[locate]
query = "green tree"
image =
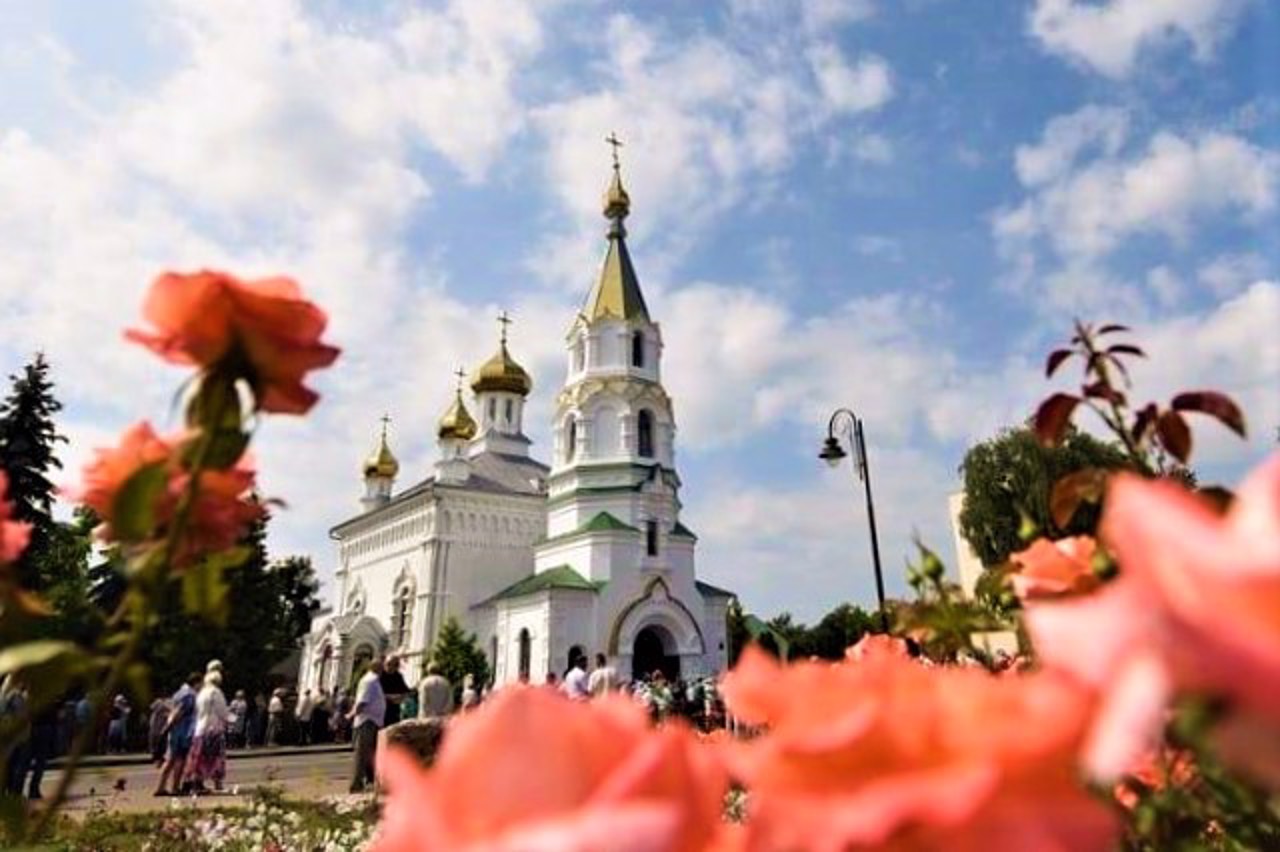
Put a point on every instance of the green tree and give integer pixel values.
(838, 630)
(270, 609)
(458, 654)
(1008, 480)
(63, 569)
(28, 444)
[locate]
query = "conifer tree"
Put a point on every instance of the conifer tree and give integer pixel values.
(28, 445)
(458, 654)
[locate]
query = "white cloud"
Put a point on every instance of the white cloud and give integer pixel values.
(1165, 284)
(279, 142)
(1065, 138)
(873, 148)
(1088, 211)
(1089, 191)
(878, 245)
(708, 121)
(1109, 36)
(864, 86)
(1230, 273)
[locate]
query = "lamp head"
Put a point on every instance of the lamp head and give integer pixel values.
(832, 452)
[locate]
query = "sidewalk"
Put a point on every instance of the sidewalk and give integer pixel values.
(143, 759)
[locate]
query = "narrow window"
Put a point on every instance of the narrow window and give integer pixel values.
(637, 349)
(644, 433)
(493, 410)
(651, 537)
(579, 356)
(526, 654)
(507, 411)
(571, 440)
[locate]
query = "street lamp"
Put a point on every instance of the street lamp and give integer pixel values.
(832, 453)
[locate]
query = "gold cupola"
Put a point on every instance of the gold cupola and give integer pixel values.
(501, 372)
(457, 422)
(382, 462)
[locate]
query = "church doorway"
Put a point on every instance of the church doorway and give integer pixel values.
(655, 651)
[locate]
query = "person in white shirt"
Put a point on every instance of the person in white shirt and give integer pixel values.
(367, 717)
(604, 678)
(435, 694)
(575, 680)
(208, 757)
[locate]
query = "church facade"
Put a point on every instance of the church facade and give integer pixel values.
(585, 555)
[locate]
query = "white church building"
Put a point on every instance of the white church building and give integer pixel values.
(541, 563)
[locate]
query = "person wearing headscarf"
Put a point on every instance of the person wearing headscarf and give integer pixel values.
(208, 757)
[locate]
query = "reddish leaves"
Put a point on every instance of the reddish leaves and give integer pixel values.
(1053, 416)
(1174, 435)
(1216, 405)
(1056, 357)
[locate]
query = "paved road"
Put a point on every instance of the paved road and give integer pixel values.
(310, 775)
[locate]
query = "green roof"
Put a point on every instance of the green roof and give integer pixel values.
(708, 590)
(683, 531)
(602, 522)
(560, 577)
(605, 521)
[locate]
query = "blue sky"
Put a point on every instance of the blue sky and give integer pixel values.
(896, 207)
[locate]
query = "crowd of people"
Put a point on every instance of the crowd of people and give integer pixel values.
(383, 698)
(189, 732)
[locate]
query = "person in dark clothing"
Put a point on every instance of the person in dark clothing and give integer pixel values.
(44, 737)
(394, 688)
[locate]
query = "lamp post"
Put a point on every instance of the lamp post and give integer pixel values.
(832, 453)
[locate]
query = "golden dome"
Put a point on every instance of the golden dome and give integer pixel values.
(457, 421)
(382, 462)
(501, 373)
(617, 204)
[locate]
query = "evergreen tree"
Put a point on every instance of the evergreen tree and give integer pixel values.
(28, 443)
(458, 654)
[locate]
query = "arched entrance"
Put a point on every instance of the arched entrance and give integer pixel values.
(655, 650)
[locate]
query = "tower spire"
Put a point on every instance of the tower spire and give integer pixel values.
(617, 292)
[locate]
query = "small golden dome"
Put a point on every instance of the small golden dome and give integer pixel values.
(501, 373)
(617, 204)
(457, 421)
(382, 462)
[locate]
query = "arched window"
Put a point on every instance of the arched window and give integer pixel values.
(526, 654)
(644, 433)
(579, 356)
(493, 656)
(493, 409)
(402, 617)
(637, 349)
(571, 440)
(651, 537)
(507, 411)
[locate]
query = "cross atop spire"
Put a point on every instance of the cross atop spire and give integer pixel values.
(461, 374)
(616, 143)
(503, 322)
(386, 421)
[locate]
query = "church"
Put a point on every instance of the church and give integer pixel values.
(587, 555)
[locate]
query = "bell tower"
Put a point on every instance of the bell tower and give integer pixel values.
(613, 463)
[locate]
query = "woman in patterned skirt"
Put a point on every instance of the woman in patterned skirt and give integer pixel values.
(208, 757)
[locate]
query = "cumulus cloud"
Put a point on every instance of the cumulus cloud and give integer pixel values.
(277, 141)
(704, 118)
(1109, 37)
(1090, 190)
(862, 86)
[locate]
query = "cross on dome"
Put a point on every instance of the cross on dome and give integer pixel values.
(616, 143)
